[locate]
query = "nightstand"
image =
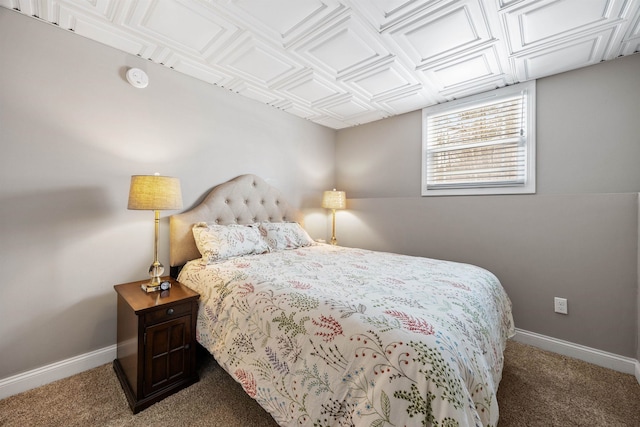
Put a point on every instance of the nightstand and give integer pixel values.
(156, 342)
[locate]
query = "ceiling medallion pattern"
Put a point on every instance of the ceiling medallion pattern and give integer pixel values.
(342, 63)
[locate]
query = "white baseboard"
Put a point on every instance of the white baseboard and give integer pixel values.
(65, 368)
(618, 363)
(56, 371)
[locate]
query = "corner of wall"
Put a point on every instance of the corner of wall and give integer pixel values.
(638, 296)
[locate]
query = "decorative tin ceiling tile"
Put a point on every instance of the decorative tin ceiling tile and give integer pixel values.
(472, 69)
(562, 57)
(387, 80)
(530, 25)
(182, 25)
(312, 91)
(438, 33)
(257, 61)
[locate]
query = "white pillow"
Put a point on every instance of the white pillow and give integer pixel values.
(217, 242)
(284, 235)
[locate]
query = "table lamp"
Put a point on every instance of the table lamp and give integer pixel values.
(154, 193)
(334, 200)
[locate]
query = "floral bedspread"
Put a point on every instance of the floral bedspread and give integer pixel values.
(332, 336)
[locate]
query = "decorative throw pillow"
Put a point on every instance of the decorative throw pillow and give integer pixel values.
(285, 235)
(218, 242)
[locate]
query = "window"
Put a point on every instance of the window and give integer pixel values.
(483, 144)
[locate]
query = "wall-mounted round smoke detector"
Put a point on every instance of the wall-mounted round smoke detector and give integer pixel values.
(137, 78)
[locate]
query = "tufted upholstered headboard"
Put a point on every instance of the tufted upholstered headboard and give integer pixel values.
(243, 200)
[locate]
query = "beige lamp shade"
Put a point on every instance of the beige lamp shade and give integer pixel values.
(334, 199)
(154, 192)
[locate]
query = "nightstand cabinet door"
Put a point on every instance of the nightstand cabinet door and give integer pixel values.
(168, 350)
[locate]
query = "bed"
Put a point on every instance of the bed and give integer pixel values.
(323, 335)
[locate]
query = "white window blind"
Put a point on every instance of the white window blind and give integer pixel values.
(482, 142)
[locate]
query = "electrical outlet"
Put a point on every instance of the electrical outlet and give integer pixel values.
(560, 305)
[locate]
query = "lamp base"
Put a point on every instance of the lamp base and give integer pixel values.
(155, 271)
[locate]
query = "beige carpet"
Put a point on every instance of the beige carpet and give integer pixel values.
(537, 389)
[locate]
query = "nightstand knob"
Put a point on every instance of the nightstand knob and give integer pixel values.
(170, 311)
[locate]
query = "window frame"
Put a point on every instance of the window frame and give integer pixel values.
(529, 186)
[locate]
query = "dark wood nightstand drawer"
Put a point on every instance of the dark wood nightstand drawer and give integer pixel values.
(167, 313)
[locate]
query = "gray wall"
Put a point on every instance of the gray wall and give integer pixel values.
(576, 238)
(72, 132)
